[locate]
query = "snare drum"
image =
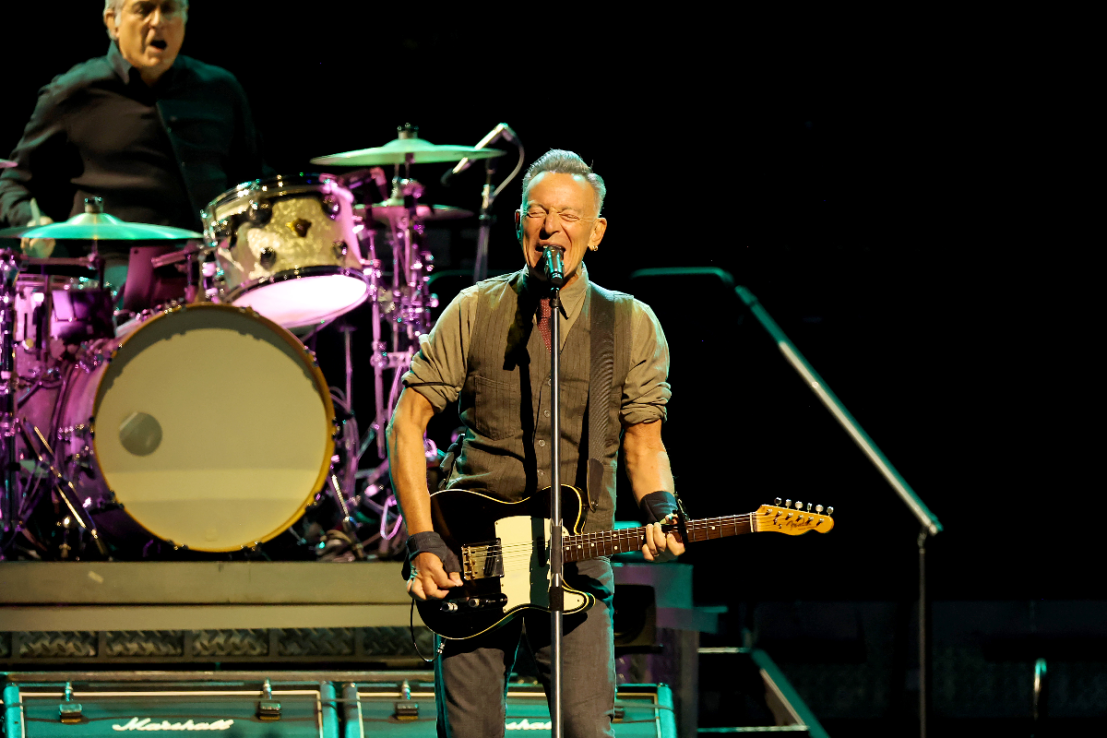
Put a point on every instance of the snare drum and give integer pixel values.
(286, 247)
(208, 426)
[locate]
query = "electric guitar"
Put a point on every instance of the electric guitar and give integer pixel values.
(503, 548)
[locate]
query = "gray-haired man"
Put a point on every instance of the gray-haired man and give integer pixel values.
(157, 135)
(485, 354)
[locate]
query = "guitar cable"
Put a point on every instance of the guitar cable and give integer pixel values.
(411, 628)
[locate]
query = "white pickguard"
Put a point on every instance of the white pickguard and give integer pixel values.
(526, 581)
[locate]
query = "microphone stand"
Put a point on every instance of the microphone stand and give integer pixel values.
(557, 558)
(480, 265)
(930, 525)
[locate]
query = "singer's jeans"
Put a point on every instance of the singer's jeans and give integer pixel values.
(471, 676)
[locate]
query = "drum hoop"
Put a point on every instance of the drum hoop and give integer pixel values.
(270, 189)
(320, 384)
(298, 273)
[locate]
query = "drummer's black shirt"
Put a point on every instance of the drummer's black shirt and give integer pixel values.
(156, 155)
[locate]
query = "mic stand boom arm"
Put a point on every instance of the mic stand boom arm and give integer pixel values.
(930, 524)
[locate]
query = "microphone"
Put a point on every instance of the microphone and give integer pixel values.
(503, 130)
(553, 267)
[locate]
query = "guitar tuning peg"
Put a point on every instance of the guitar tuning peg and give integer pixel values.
(787, 503)
(829, 511)
(777, 502)
(808, 507)
(819, 509)
(799, 505)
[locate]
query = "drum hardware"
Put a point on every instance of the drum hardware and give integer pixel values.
(65, 491)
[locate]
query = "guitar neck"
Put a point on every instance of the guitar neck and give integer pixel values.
(610, 542)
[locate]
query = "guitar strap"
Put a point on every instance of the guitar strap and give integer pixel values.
(600, 387)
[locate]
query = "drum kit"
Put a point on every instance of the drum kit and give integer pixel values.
(185, 412)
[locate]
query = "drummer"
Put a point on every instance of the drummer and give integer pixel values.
(156, 134)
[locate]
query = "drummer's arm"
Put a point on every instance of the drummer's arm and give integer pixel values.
(43, 164)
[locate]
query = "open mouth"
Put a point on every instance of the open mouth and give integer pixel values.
(159, 44)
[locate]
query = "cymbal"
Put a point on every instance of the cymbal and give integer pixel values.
(397, 151)
(6, 164)
(385, 211)
(100, 227)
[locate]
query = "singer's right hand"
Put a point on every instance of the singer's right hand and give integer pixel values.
(429, 578)
(39, 247)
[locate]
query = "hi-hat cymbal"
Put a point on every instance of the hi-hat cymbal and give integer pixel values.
(6, 164)
(100, 227)
(386, 211)
(396, 151)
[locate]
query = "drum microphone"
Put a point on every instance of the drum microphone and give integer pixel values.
(553, 266)
(503, 130)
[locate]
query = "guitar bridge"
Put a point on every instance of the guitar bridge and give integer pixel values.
(482, 560)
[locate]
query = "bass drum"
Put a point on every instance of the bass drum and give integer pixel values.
(208, 426)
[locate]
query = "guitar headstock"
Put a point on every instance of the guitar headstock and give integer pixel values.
(793, 519)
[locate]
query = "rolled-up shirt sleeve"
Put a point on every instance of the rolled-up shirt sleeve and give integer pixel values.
(646, 392)
(438, 369)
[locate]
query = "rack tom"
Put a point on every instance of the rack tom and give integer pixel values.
(287, 248)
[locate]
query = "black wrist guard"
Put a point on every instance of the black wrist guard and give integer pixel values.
(430, 542)
(656, 506)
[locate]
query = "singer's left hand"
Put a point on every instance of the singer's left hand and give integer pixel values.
(659, 546)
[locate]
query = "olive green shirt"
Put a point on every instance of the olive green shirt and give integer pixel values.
(440, 366)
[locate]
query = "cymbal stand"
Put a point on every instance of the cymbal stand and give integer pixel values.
(480, 265)
(9, 475)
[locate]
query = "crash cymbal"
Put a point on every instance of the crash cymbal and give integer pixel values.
(100, 227)
(398, 150)
(5, 164)
(385, 211)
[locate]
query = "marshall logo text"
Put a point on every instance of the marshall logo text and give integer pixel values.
(146, 724)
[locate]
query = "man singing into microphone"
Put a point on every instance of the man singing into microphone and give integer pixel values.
(490, 352)
(155, 134)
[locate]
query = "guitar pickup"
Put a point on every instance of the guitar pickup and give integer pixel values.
(483, 560)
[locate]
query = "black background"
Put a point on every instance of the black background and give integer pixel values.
(877, 190)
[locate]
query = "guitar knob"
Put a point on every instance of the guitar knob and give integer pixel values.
(787, 503)
(819, 509)
(799, 505)
(829, 511)
(777, 502)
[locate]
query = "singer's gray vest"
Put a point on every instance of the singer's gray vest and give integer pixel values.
(505, 402)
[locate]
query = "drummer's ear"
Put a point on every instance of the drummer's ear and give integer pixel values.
(109, 21)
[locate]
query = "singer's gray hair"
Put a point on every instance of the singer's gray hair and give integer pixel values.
(560, 161)
(117, 6)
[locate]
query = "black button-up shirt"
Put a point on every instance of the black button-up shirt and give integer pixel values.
(156, 155)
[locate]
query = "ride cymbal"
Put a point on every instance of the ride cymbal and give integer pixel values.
(398, 150)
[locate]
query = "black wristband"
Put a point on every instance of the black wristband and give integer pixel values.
(430, 542)
(656, 506)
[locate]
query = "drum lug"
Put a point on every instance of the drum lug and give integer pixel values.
(300, 227)
(260, 212)
(331, 206)
(340, 248)
(268, 257)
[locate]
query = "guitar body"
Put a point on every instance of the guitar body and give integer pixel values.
(504, 551)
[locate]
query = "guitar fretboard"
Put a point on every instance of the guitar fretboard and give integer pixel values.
(610, 542)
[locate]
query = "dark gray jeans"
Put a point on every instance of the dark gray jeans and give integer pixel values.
(471, 676)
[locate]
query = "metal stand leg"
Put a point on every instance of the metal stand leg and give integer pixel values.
(924, 638)
(9, 477)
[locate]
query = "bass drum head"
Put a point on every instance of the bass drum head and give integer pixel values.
(213, 428)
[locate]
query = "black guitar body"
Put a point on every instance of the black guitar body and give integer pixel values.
(504, 553)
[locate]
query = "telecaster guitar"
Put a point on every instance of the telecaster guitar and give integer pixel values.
(504, 551)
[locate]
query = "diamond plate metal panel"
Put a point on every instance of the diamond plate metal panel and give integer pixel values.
(315, 642)
(57, 644)
(144, 643)
(396, 641)
(230, 643)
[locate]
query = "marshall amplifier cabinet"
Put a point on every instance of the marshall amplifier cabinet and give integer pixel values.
(97, 709)
(407, 710)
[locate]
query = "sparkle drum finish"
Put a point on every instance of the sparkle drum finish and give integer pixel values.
(209, 426)
(287, 248)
